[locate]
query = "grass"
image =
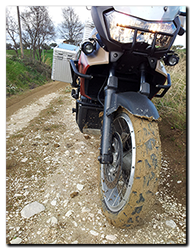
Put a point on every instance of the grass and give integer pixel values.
(22, 74)
(47, 56)
(173, 105)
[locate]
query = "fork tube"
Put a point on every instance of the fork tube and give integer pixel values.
(106, 139)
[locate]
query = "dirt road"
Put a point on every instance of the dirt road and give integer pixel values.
(52, 178)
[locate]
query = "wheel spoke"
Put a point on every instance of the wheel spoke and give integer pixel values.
(116, 176)
(127, 152)
(110, 194)
(116, 198)
(120, 126)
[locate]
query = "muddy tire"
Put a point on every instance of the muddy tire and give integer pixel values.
(128, 197)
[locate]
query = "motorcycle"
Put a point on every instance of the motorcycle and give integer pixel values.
(118, 71)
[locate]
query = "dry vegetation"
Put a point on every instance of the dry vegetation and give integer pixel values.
(173, 104)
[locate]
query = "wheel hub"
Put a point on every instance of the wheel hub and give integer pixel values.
(112, 171)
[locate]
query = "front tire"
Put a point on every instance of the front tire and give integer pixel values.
(128, 185)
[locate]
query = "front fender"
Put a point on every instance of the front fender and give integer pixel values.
(136, 103)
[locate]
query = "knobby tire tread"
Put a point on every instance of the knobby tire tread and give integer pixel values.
(147, 169)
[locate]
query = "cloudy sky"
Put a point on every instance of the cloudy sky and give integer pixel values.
(55, 13)
(84, 14)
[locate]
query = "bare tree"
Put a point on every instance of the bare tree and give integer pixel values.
(71, 27)
(12, 30)
(38, 28)
(20, 34)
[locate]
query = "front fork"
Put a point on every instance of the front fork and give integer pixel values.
(107, 131)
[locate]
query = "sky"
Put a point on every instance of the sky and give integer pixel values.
(84, 14)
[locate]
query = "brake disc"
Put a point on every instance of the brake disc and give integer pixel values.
(113, 171)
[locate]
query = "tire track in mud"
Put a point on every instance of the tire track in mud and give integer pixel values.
(51, 162)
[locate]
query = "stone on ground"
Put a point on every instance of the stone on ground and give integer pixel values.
(32, 209)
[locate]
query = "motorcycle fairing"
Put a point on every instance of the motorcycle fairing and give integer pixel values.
(91, 87)
(98, 57)
(83, 66)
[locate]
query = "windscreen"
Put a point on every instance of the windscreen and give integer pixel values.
(152, 13)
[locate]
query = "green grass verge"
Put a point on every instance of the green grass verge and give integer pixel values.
(22, 74)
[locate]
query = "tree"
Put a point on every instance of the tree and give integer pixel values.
(38, 28)
(45, 47)
(9, 46)
(53, 45)
(177, 47)
(12, 30)
(20, 34)
(71, 27)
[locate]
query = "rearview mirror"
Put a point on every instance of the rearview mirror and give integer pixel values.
(88, 7)
(181, 13)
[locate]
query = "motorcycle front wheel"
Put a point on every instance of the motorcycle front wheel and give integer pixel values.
(128, 185)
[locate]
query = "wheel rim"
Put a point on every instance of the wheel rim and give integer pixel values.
(122, 176)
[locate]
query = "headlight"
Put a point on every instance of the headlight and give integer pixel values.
(122, 28)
